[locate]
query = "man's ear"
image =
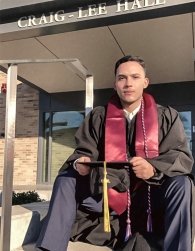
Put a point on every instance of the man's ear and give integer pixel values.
(114, 86)
(146, 83)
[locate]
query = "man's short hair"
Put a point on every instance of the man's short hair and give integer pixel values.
(128, 58)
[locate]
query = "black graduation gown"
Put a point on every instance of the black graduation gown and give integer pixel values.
(174, 159)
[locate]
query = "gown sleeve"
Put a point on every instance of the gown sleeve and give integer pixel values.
(175, 157)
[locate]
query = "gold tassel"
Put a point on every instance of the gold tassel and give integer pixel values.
(105, 182)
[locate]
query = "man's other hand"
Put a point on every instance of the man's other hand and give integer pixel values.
(82, 169)
(142, 168)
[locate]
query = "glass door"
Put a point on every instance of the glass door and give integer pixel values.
(59, 143)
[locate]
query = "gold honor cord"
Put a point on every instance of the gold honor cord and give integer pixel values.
(105, 182)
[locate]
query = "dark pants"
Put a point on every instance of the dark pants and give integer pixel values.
(70, 189)
(171, 214)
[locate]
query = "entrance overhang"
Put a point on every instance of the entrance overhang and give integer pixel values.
(159, 31)
(23, 20)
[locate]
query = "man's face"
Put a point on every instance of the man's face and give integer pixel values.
(130, 82)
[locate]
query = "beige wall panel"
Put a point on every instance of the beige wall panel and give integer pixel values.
(165, 43)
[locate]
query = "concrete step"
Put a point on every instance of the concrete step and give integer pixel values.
(73, 246)
(26, 225)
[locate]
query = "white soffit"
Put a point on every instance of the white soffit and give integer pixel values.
(50, 77)
(166, 44)
(96, 48)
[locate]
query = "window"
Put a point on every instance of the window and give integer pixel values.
(186, 120)
(59, 143)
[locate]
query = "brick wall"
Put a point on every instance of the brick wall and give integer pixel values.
(26, 141)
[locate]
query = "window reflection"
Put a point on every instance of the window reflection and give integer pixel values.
(186, 120)
(59, 143)
(59, 140)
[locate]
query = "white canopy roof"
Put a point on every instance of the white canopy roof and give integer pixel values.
(165, 43)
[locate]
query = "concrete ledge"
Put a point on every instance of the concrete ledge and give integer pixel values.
(25, 226)
(40, 207)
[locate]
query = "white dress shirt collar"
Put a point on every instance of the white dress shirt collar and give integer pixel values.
(130, 115)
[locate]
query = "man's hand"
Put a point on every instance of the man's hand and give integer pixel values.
(82, 169)
(142, 168)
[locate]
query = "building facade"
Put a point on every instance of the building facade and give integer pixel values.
(51, 100)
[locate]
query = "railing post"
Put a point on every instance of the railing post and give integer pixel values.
(10, 117)
(89, 94)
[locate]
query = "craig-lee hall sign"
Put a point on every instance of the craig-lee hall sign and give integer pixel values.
(90, 11)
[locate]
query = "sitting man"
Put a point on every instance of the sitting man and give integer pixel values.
(144, 148)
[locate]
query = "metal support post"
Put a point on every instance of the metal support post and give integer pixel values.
(89, 94)
(8, 158)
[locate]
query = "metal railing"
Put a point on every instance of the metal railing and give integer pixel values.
(10, 118)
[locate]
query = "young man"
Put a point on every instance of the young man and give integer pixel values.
(149, 190)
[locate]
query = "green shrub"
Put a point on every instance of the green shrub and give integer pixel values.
(25, 197)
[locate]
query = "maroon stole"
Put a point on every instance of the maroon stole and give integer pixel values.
(146, 144)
